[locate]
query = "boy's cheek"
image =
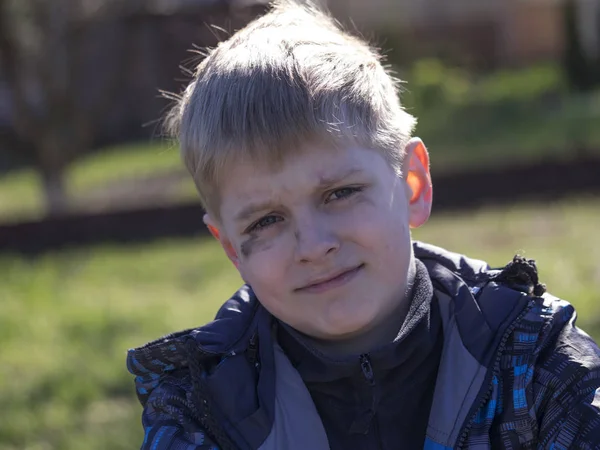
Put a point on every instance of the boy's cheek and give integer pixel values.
(253, 247)
(374, 224)
(264, 267)
(264, 281)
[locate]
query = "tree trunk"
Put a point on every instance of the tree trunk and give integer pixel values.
(55, 193)
(575, 61)
(52, 161)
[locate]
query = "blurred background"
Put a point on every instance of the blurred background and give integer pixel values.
(102, 246)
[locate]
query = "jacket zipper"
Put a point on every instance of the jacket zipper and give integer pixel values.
(252, 351)
(377, 434)
(477, 405)
(367, 370)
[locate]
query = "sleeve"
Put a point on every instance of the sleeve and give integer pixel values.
(567, 389)
(578, 427)
(168, 420)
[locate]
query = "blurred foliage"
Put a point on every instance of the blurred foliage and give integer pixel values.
(67, 318)
(515, 115)
(432, 85)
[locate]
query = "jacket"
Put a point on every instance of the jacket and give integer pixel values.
(515, 372)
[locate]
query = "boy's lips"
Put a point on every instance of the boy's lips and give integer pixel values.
(334, 280)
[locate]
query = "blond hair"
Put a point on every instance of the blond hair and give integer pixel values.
(290, 77)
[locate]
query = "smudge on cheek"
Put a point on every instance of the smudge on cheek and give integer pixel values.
(252, 245)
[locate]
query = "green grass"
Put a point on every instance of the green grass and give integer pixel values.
(116, 163)
(67, 318)
(20, 196)
(66, 322)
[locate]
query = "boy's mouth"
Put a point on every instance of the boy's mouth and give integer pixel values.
(331, 281)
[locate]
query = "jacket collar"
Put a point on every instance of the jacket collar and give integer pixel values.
(414, 337)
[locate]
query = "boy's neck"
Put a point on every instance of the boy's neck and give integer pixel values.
(380, 334)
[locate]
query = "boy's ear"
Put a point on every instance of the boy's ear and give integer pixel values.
(418, 179)
(225, 243)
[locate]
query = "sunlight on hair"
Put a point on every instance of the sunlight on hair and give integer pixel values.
(290, 77)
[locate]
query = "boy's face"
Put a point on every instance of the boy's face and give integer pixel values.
(325, 241)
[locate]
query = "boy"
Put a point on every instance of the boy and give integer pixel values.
(347, 335)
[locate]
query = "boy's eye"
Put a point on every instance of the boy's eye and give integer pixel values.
(342, 193)
(265, 222)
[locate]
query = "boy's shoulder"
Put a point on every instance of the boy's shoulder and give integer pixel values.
(543, 345)
(169, 355)
(510, 300)
(431, 255)
(450, 271)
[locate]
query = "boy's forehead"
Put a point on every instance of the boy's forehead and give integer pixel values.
(250, 182)
(315, 168)
(258, 182)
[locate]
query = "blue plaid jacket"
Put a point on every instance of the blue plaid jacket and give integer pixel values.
(516, 371)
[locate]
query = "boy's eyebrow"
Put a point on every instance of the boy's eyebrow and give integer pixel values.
(329, 180)
(325, 181)
(251, 209)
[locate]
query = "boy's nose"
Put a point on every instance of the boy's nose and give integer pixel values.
(315, 242)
